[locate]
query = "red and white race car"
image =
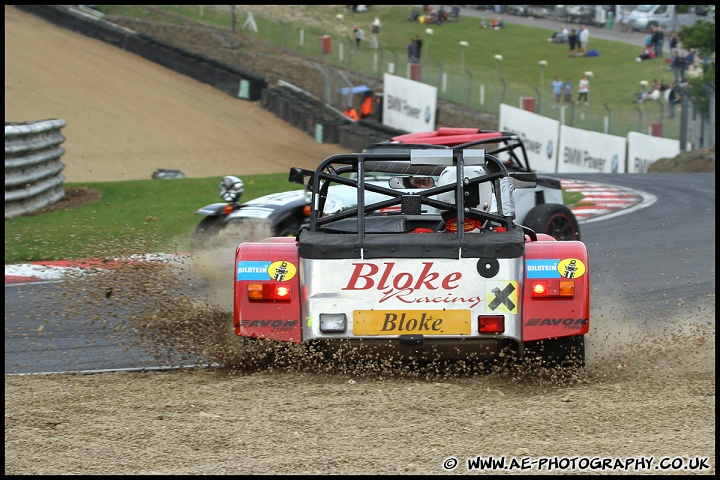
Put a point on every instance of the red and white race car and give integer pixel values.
(427, 263)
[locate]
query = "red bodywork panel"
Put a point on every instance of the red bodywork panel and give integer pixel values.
(271, 262)
(449, 136)
(551, 317)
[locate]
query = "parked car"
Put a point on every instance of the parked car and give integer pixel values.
(540, 208)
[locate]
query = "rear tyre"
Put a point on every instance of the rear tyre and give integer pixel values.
(555, 220)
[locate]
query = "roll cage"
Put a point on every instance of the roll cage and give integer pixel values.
(374, 199)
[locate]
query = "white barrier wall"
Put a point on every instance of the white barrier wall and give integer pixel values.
(643, 150)
(408, 105)
(539, 134)
(555, 148)
(582, 151)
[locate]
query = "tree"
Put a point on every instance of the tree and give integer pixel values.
(701, 38)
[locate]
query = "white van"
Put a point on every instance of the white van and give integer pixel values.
(666, 16)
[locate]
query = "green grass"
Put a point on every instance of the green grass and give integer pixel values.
(132, 217)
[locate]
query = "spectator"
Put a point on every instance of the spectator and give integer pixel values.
(659, 41)
(678, 66)
(557, 88)
(646, 54)
(573, 42)
(375, 30)
(359, 36)
(419, 43)
(689, 59)
(442, 16)
(560, 36)
(584, 36)
(583, 89)
(673, 96)
(501, 23)
(672, 43)
(649, 38)
(567, 88)
(412, 51)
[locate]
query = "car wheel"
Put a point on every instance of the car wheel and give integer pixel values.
(555, 220)
(563, 352)
(208, 228)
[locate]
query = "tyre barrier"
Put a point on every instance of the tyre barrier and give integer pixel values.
(33, 178)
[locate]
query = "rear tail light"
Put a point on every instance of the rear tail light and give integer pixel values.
(552, 287)
(263, 292)
(491, 323)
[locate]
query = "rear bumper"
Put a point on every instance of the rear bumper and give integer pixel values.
(416, 348)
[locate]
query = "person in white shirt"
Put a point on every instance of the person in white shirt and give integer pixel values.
(584, 37)
(583, 89)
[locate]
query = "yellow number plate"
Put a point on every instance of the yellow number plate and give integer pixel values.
(413, 322)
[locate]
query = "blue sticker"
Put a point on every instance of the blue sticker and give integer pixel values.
(542, 268)
(252, 271)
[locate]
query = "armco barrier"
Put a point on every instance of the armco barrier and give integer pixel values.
(33, 178)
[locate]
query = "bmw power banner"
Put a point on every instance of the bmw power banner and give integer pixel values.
(539, 134)
(408, 105)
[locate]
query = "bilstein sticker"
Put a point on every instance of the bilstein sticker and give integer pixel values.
(281, 271)
(555, 268)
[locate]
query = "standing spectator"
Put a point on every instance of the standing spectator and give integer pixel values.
(359, 36)
(375, 30)
(583, 89)
(584, 36)
(659, 41)
(649, 38)
(678, 66)
(567, 88)
(419, 43)
(412, 51)
(672, 43)
(573, 41)
(557, 87)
